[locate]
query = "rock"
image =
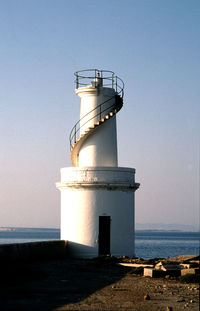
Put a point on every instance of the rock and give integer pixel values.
(167, 276)
(169, 308)
(181, 300)
(147, 297)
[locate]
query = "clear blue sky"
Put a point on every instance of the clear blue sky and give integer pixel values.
(154, 46)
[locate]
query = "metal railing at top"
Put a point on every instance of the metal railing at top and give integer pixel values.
(112, 81)
(108, 78)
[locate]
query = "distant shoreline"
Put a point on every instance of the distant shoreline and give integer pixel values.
(26, 228)
(165, 230)
(7, 229)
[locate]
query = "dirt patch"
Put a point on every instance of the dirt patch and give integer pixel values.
(90, 285)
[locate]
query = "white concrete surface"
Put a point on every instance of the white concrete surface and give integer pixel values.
(100, 148)
(88, 193)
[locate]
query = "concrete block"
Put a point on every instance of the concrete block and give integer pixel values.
(160, 273)
(190, 271)
(153, 273)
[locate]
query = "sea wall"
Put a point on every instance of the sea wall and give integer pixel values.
(23, 252)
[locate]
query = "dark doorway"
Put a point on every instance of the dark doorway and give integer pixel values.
(104, 235)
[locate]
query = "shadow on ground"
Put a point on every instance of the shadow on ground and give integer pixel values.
(48, 285)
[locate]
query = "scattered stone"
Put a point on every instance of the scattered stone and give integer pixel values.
(181, 300)
(169, 308)
(147, 297)
(167, 276)
(183, 258)
(125, 257)
(192, 301)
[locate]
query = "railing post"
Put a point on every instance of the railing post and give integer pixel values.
(116, 83)
(100, 113)
(77, 82)
(112, 80)
(95, 75)
(75, 134)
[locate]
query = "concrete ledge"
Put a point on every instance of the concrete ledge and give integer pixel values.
(23, 252)
(190, 271)
(98, 174)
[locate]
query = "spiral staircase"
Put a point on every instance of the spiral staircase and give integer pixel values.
(101, 113)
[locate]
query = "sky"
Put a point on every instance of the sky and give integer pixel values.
(154, 46)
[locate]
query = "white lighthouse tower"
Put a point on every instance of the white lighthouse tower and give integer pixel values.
(97, 196)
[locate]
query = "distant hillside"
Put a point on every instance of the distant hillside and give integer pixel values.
(166, 227)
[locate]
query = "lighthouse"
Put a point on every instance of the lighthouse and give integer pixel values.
(97, 196)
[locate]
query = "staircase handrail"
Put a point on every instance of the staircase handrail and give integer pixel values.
(119, 89)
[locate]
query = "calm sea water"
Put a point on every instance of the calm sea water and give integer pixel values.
(164, 244)
(148, 244)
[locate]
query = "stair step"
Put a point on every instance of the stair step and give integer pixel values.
(113, 110)
(107, 117)
(76, 142)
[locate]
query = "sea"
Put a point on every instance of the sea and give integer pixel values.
(148, 243)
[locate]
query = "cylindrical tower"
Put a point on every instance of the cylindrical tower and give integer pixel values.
(99, 149)
(97, 196)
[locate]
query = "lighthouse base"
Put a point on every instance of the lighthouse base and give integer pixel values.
(97, 210)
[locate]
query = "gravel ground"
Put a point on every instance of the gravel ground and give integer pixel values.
(90, 285)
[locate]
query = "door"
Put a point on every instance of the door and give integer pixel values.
(104, 235)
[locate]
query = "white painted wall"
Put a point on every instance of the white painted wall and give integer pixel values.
(110, 175)
(88, 193)
(100, 148)
(91, 97)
